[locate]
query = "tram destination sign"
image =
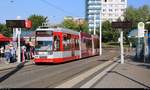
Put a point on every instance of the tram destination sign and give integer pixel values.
(15, 23)
(19, 23)
(122, 25)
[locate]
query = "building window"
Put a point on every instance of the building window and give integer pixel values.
(110, 10)
(122, 0)
(110, 0)
(104, 10)
(122, 10)
(116, 10)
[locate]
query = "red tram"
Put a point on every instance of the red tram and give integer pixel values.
(56, 45)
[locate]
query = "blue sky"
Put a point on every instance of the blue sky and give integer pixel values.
(25, 8)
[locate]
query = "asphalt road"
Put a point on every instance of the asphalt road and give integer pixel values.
(49, 76)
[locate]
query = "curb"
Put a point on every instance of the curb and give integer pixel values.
(27, 64)
(15, 66)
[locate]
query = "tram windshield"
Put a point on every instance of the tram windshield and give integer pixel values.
(44, 45)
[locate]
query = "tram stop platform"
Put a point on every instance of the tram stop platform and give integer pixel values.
(4, 65)
(132, 74)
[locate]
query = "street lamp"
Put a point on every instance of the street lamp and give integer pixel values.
(100, 33)
(94, 24)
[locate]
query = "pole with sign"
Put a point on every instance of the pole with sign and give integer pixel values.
(19, 48)
(121, 25)
(121, 42)
(17, 25)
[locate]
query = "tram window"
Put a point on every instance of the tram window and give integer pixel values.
(67, 42)
(96, 43)
(72, 43)
(77, 44)
(56, 43)
(88, 43)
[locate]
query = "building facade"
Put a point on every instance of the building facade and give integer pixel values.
(110, 10)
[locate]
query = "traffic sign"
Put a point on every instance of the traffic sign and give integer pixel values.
(121, 25)
(28, 24)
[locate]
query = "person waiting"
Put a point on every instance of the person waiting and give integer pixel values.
(7, 54)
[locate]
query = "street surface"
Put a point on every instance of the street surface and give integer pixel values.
(52, 75)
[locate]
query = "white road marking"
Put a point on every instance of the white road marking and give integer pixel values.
(76, 80)
(96, 78)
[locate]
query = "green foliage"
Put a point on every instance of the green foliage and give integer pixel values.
(37, 20)
(84, 26)
(75, 25)
(108, 33)
(5, 31)
(136, 15)
(70, 24)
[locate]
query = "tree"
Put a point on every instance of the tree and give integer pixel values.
(70, 24)
(77, 25)
(37, 20)
(84, 26)
(108, 33)
(5, 31)
(136, 15)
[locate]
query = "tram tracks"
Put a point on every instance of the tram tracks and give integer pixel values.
(52, 75)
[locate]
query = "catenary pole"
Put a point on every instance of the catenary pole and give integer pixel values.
(100, 34)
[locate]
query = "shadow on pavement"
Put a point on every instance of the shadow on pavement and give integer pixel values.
(129, 78)
(145, 66)
(103, 60)
(131, 58)
(6, 76)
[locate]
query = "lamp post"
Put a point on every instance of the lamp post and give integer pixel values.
(94, 24)
(100, 33)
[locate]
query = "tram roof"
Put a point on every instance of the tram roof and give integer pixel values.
(64, 30)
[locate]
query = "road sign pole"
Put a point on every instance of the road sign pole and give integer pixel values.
(19, 56)
(121, 46)
(18, 24)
